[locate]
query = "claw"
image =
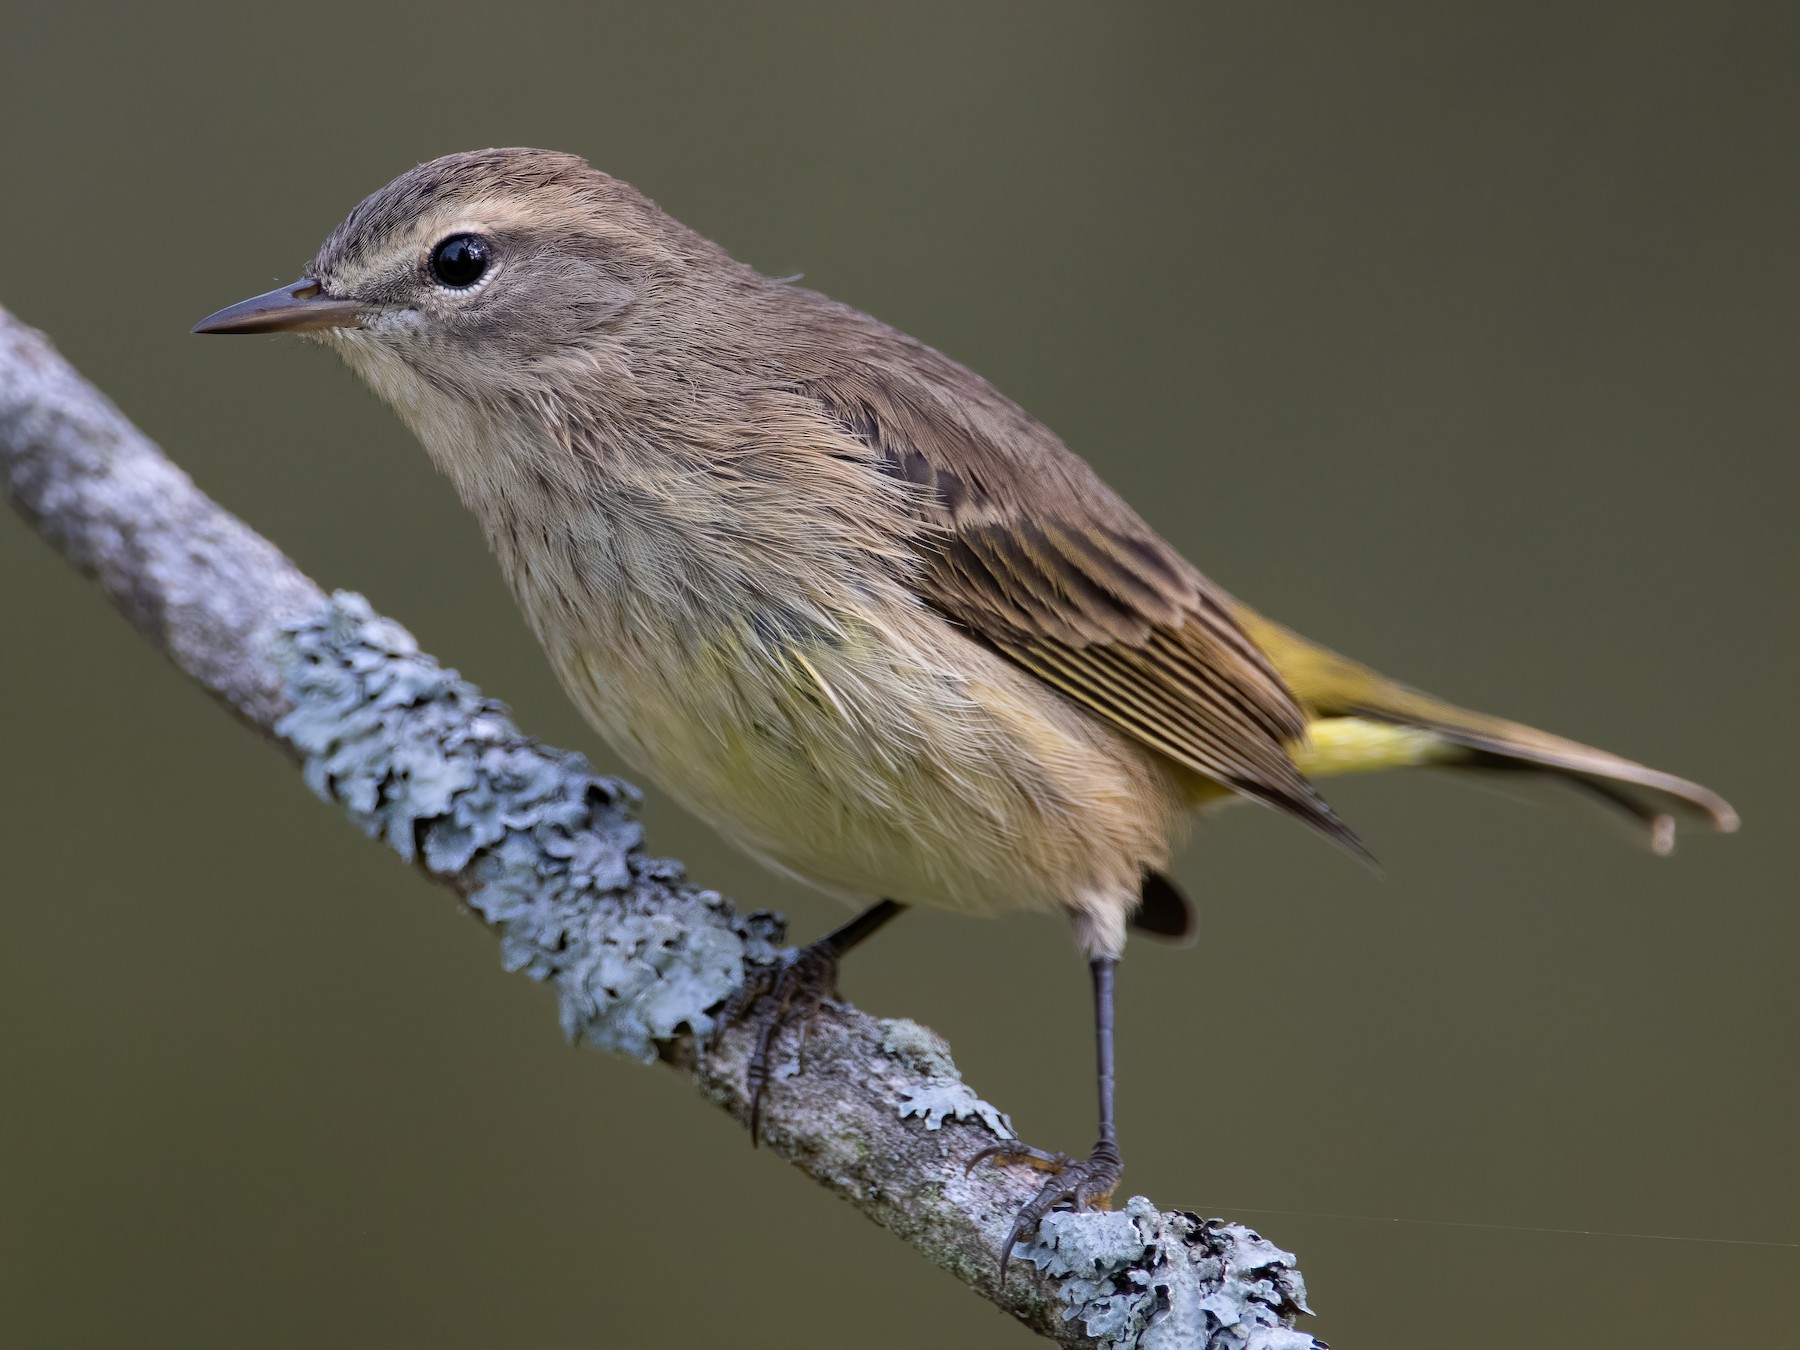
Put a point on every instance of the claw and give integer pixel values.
(1085, 1183)
(1017, 1151)
(796, 988)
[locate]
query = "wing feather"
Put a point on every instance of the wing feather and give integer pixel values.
(1031, 553)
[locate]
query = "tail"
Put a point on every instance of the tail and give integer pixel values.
(1360, 720)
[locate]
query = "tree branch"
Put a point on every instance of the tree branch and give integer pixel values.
(548, 854)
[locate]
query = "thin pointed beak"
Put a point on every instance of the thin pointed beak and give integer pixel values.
(293, 308)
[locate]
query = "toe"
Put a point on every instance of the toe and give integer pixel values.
(1016, 1151)
(1085, 1185)
(795, 989)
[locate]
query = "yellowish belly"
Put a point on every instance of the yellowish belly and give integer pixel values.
(905, 763)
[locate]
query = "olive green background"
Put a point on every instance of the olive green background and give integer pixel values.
(1461, 337)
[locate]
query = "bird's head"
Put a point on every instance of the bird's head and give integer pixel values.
(494, 276)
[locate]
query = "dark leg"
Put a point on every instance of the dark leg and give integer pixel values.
(848, 934)
(795, 989)
(1102, 968)
(1087, 1183)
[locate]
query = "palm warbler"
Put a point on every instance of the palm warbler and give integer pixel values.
(839, 595)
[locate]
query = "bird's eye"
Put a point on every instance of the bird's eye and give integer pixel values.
(461, 260)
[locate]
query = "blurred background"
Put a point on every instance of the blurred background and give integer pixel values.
(1460, 337)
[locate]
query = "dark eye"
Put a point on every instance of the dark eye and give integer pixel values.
(461, 260)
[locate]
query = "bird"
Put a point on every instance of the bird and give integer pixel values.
(845, 600)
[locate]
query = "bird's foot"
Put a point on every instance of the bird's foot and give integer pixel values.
(1085, 1183)
(796, 988)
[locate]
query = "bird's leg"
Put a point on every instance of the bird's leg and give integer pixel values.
(795, 988)
(1085, 1183)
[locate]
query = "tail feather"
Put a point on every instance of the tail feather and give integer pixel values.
(1351, 705)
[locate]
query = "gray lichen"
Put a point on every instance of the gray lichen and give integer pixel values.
(543, 848)
(945, 1099)
(942, 1095)
(1137, 1277)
